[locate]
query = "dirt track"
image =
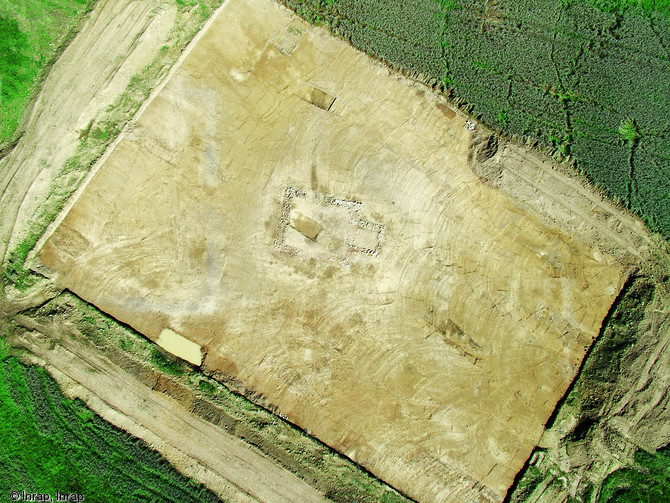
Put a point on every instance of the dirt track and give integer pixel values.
(134, 30)
(225, 463)
(534, 181)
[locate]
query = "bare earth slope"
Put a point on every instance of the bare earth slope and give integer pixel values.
(313, 223)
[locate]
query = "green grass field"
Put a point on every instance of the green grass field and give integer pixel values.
(31, 35)
(621, 5)
(50, 443)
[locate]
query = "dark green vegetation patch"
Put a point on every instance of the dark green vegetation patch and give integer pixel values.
(590, 79)
(50, 443)
(32, 35)
(166, 362)
(647, 478)
(646, 482)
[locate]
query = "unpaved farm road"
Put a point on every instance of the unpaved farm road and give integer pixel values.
(253, 476)
(566, 201)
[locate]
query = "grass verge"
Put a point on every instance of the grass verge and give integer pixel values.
(647, 481)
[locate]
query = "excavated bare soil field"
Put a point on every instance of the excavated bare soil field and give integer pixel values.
(312, 221)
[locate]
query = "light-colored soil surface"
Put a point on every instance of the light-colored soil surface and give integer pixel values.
(197, 447)
(314, 223)
(180, 346)
(638, 411)
(118, 40)
(561, 197)
(635, 413)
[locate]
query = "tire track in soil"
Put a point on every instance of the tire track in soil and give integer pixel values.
(250, 471)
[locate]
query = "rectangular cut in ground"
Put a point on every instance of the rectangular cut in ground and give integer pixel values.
(431, 347)
(180, 346)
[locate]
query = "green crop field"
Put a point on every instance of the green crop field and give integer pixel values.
(620, 5)
(590, 79)
(50, 443)
(32, 33)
